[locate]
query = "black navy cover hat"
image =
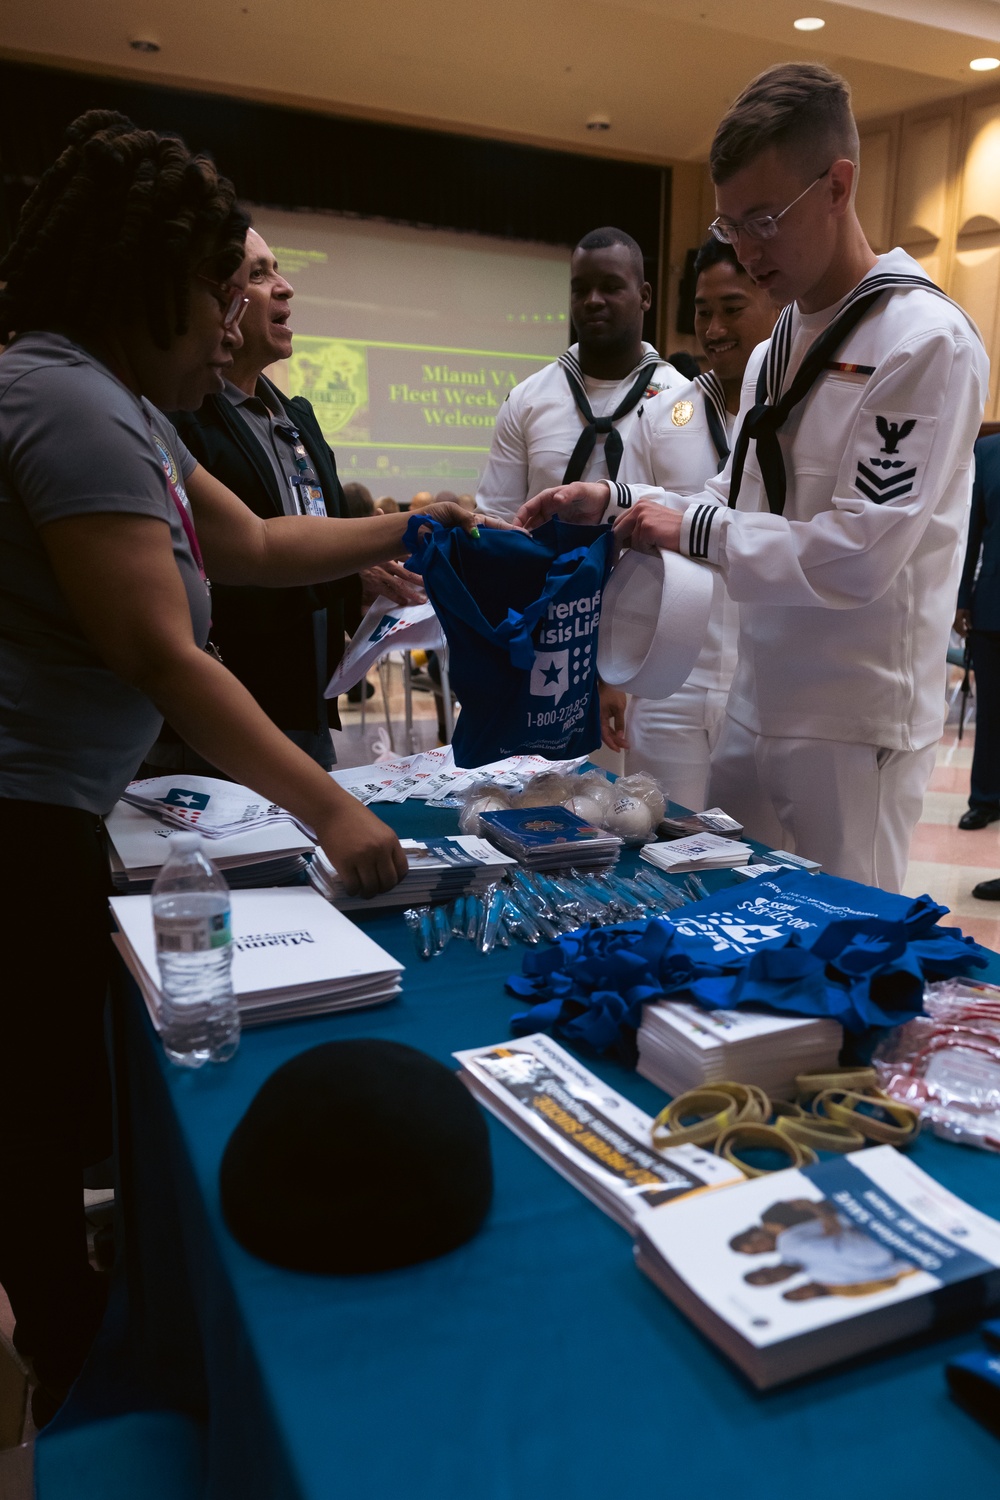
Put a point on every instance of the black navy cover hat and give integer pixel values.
(356, 1156)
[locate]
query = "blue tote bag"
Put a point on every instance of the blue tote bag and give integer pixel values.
(521, 615)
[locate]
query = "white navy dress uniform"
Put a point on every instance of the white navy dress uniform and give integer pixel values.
(539, 425)
(845, 573)
(678, 442)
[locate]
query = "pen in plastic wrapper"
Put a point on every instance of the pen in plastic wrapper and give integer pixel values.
(519, 922)
(441, 929)
(492, 916)
(418, 920)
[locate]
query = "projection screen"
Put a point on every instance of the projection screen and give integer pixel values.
(406, 341)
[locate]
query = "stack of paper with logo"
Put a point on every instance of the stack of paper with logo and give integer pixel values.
(699, 851)
(592, 1135)
(439, 870)
(268, 855)
(293, 955)
(216, 808)
(550, 838)
(804, 1268)
(712, 820)
(682, 1047)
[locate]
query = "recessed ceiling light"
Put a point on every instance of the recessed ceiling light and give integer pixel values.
(984, 64)
(809, 23)
(144, 44)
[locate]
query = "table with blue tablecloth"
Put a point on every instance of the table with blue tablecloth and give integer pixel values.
(535, 1360)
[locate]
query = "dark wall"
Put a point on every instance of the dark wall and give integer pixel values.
(289, 158)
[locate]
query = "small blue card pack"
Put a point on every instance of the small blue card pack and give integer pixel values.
(549, 837)
(974, 1379)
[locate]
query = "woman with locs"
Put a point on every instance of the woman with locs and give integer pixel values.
(121, 299)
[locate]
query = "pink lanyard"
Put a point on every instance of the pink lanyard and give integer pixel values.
(188, 525)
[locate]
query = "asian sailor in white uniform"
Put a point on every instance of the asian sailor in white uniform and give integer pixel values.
(837, 523)
(571, 419)
(679, 441)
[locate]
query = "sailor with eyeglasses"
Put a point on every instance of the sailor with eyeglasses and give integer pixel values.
(838, 520)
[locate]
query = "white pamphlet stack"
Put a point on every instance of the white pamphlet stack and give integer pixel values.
(592, 1135)
(214, 808)
(801, 1269)
(294, 955)
(682, 1047)
(699, 851)
(139, 844)
(439, 870)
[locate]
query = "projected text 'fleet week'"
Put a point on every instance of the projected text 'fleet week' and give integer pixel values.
(406, 410)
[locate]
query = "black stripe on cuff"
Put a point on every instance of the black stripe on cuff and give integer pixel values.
(701, 530)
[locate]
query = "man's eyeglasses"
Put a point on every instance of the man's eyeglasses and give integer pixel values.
(233, 303)
(764, 226)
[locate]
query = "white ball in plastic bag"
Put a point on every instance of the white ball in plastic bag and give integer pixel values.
(469, 819)
(591, 809)
(629, 817)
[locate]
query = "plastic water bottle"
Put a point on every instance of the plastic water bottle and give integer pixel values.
(194, 948)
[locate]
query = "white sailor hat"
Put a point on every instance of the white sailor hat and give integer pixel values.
(654, 620)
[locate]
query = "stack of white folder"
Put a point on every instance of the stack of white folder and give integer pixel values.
(683, 1047)
(139, 845)
(294, 955)
(700, 851)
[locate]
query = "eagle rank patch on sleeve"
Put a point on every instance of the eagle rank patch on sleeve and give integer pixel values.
(892, 451)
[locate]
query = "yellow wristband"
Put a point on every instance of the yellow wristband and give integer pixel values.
(761, 1135)
(719, 1111)
(821, 1134)
(837, 1078)
(841, 1105)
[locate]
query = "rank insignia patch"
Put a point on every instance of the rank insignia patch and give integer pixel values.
(682, 413)
(891, 453)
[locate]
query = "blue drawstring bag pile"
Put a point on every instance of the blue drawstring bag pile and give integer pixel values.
(798, 944)
(520, 614)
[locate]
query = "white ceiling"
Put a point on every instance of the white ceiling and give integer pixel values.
(530, 70)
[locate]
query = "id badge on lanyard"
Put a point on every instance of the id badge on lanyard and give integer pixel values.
(308, 494)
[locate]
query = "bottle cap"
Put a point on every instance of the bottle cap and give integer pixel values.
(184, 843)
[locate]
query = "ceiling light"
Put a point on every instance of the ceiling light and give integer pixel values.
(809, 23)
(144, 44)
(598, 122)
(984, 64)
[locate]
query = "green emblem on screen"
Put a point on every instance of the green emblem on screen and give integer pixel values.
(333, 375)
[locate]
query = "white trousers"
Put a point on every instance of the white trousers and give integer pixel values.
(672, 739)
(851, 807)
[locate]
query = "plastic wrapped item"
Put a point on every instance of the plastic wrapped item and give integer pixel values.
(591, 796)
(418, 920)
(637, 805)
(441, 928)
(532, 898)
(946, 1063)
(669, 896)
(645, 789)
(489, 930)
(519, 921)
(547, 789)
(482, 796)
(473, 918)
